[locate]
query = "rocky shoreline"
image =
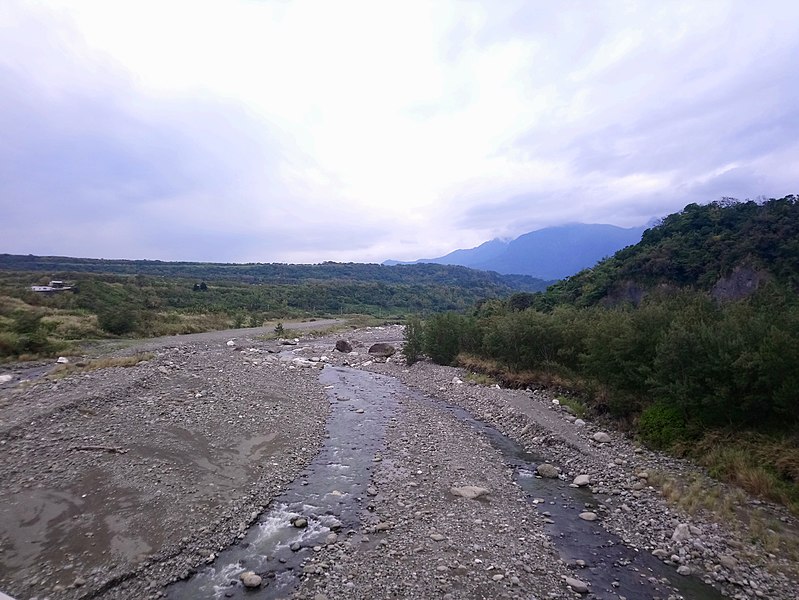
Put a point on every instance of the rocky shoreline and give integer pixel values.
(119, 481)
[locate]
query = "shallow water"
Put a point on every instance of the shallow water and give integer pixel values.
(329, 494)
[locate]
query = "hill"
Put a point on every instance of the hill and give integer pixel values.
(727, 248)
(549, 253)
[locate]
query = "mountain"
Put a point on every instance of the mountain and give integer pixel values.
(549, 253)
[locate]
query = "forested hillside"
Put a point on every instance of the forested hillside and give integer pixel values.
(696, 248)
(680, 365)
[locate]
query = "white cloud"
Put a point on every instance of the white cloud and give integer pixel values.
(366, 130)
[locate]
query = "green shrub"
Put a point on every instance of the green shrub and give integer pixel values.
(661, 425)
(414, 340)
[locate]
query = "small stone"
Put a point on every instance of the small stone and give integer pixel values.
(684, 570)
(300, 522)
(579, 422)
(250, 579)
(577, 585)
(498, 577)
(601, 437)
(588, 516)
(437, 537)
(371, 491)
(62, 360)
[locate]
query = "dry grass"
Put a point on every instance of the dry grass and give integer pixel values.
(729, 504)
(100, 363)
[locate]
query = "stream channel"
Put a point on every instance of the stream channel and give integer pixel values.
(330, 494)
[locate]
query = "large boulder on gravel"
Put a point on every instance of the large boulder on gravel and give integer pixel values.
(601, 437)
(547, 470)
(344, 346)
(472, 492)
(382, 349)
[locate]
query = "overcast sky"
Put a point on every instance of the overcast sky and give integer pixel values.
(359, 131)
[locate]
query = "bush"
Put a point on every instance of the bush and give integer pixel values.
(118, 322)
(414, 340)
(661, 425)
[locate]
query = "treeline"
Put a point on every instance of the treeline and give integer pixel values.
(676, 365)
(142, 306)
(281, 274)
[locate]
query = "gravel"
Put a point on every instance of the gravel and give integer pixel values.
(118, 481)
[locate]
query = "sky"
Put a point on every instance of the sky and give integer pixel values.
(282, 131)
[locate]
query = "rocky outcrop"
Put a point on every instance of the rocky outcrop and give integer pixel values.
(741, 283)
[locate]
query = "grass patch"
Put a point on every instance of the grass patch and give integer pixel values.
(479, 378)
(578, 408)
(100, 363)
(729, 504)
(764, 466)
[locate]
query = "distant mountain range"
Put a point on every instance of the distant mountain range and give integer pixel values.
(550, 253)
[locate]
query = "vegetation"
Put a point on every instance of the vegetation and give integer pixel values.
(159, 301)
(682, 370)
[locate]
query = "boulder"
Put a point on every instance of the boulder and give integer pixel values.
(582, 480)
(250, 579)
(382, 349)
(547, 470)
(588, 516)
(6, 378)
(471, 492)
(577, 585)
(62, 360)
(343, 346)
(681, 533)
(601, 437)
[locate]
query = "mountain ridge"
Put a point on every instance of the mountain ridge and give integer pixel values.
(548, 253)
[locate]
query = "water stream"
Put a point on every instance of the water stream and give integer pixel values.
(330, 494)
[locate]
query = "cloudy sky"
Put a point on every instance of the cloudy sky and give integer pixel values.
(286, 131)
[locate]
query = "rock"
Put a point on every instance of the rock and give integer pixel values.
(5, 378)
(601, 437)
(582, 480)
(660, 553)
(684, 570)
(230, 343)
(577, 585)
(371, 491)
(681, 533)
(471, 492)
(343, 346)
(547, 470)
(382, 349)
(588, 516)
(250, 579)
(457, 381)
(579, 422)
(728, 562)
(437, 537)
(300, 522)
(62, 360)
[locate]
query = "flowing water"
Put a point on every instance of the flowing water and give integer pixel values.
(330, 494)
